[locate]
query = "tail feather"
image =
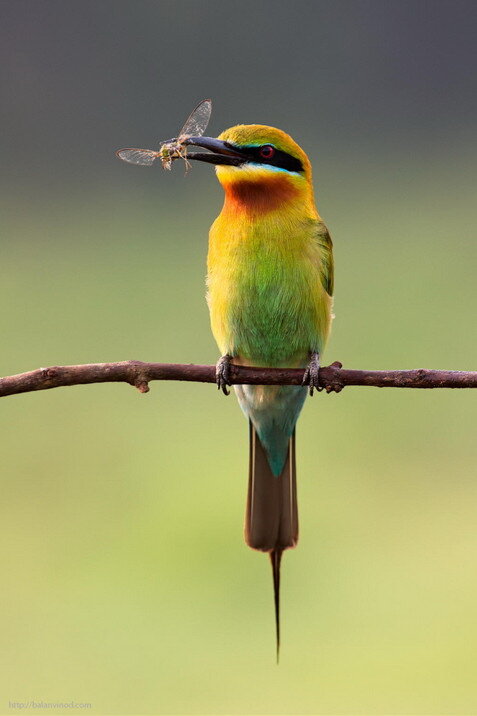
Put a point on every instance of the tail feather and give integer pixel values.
(271, 521)
(275, 559)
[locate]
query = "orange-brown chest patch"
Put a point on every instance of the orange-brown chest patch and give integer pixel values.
(261, 196)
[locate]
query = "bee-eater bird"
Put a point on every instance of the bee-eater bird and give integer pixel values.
(270, 288)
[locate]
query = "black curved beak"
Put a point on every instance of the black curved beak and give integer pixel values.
(219, 152)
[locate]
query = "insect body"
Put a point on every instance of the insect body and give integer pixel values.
(171, 149)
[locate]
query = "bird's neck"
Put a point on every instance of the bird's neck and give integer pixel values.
(268, 199)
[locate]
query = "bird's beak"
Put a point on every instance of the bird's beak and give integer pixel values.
(219, 152)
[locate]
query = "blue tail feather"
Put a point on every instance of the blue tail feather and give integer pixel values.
(273, 411)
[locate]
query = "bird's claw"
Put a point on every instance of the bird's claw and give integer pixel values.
(311, 376)
(222, 374)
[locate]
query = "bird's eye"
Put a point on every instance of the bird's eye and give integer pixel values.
(267, 151)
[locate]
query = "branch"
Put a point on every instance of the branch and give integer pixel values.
(332, 378)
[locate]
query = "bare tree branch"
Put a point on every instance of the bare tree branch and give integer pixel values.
(332, 378)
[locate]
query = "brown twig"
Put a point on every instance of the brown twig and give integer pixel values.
(332, 378)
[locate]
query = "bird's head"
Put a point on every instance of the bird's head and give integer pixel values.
(259, 167)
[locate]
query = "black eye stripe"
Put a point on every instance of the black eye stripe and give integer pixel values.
(280, 159)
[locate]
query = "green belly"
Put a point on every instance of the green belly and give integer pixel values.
(274, 316)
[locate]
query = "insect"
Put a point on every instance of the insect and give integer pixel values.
(171, 149)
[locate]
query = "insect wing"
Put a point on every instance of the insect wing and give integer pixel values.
(197, 121)
(144, 157)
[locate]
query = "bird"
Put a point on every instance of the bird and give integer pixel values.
(270, 295)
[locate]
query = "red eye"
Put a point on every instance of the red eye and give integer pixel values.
(267, 151)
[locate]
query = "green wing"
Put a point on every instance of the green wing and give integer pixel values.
(325, 243)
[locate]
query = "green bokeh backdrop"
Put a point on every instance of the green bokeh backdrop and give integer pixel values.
(125, 579)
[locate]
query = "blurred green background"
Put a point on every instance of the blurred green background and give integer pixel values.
(125, 579)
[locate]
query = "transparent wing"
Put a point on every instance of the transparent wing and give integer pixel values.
(145, 157)
(197, 121)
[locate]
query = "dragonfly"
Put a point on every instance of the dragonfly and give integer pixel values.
(171, 149)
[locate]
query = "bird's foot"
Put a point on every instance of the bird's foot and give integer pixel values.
(222, 374)
(311, 374)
